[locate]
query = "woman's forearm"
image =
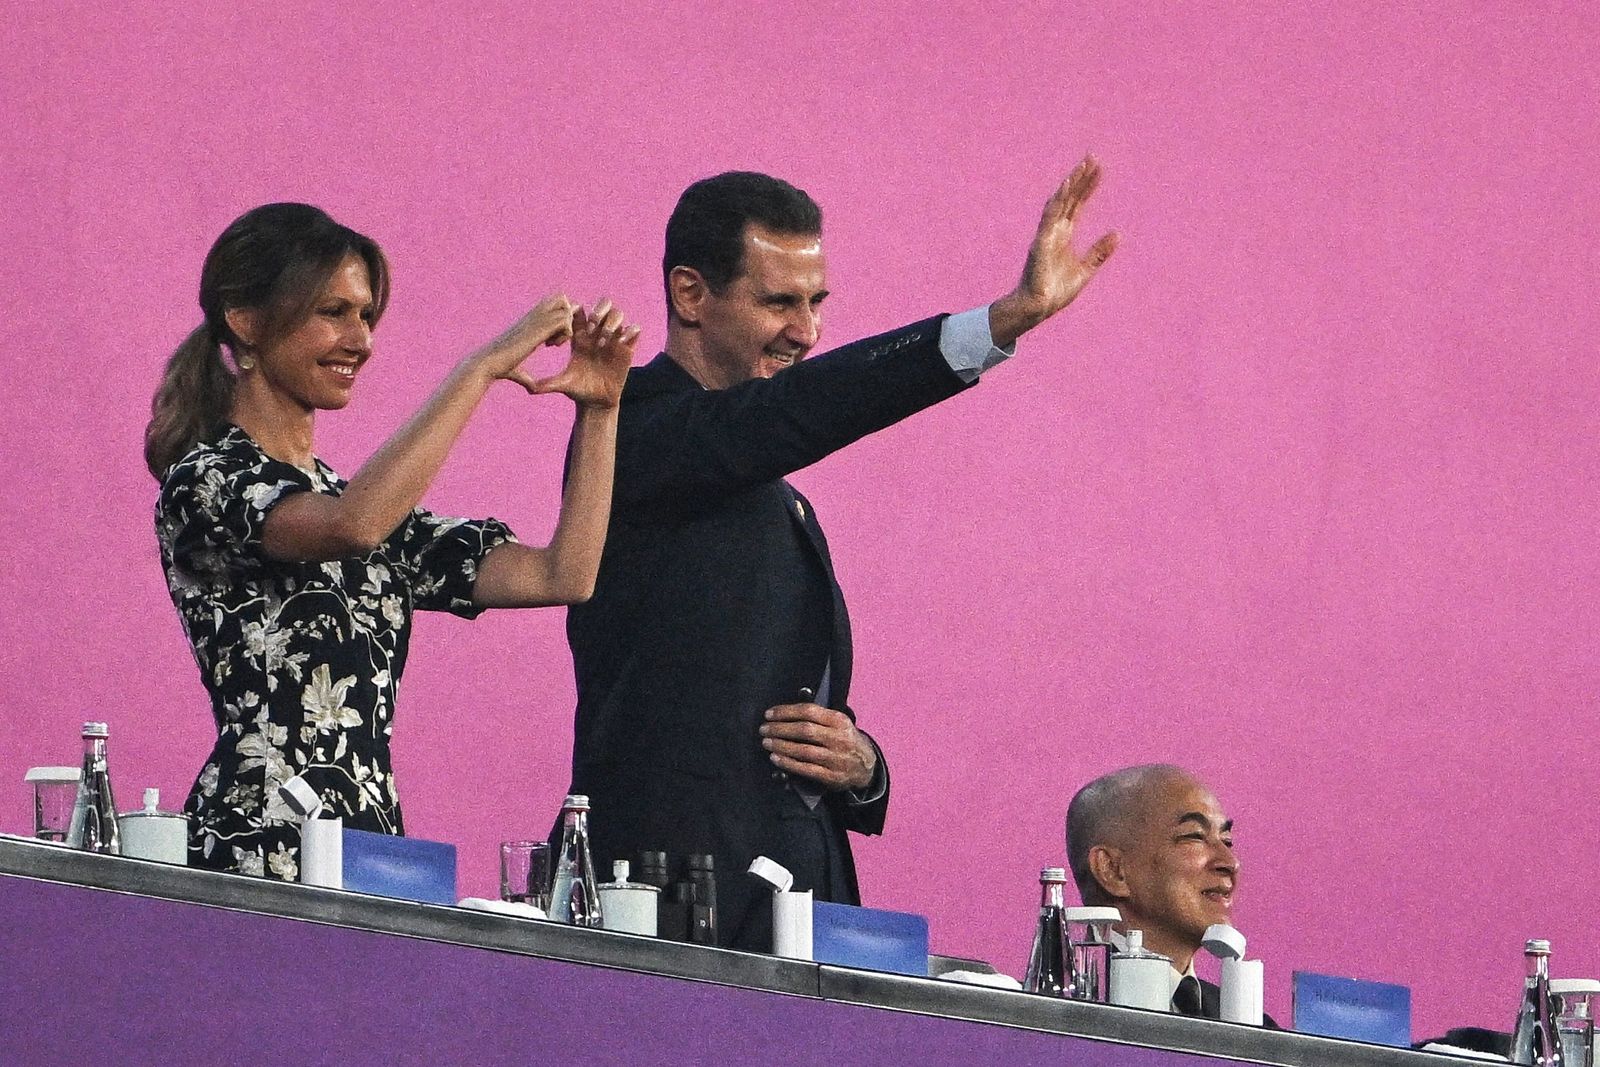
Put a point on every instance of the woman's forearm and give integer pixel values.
(394, 480)
(580, 534)
(564, 571)
(311, 526)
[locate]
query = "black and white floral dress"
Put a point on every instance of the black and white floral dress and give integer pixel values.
(302, 660)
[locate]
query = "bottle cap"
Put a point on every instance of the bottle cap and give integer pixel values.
(1052, 874)
(652, 859)
(1091, 915)
(95, 729)
(152, 800)
(1537, 947)
(773, 873)
(300, 797)
(702, 861)
(575, 802)
(1223, 942)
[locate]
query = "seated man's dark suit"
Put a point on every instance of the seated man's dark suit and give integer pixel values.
(715, 601)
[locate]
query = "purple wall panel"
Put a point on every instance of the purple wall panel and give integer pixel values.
(109, 978)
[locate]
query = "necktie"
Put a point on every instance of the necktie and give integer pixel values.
(1186, 998)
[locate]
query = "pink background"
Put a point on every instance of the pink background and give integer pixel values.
(1300, 494)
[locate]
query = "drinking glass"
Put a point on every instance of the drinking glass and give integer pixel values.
(55, 791)
(1575, 1019)
(525, 873)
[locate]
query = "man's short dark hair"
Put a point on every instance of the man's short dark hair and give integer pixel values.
(706, 230)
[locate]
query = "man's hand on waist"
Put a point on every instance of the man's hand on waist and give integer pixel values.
(820, 745)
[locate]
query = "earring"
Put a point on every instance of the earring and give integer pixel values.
(247, 362)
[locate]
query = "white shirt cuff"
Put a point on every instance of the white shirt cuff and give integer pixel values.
(967, 345)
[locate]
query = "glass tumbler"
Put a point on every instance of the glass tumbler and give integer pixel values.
(1575, 1019)
(55, 791)
(525, 873)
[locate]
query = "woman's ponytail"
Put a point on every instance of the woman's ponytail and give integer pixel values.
(193, 400)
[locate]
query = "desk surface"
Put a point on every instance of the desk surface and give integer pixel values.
(154, 921)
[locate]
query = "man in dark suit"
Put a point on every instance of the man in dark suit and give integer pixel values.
(1153, 843)
(713, 662)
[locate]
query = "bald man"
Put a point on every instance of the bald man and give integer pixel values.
(1153, 842)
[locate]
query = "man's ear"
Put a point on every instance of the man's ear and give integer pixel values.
(689, 291)
(1105, 863)
(244, 324)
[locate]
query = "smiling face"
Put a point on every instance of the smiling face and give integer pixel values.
(769, 316)
(313, 367)
(1174, 873)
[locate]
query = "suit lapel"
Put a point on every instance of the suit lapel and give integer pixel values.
(841, 654)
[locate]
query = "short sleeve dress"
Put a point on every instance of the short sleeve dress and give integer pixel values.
(302, 660)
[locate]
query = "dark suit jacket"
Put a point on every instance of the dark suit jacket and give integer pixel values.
(716, 600)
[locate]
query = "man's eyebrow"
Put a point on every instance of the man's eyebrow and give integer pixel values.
(790, 296)
(1204, 821)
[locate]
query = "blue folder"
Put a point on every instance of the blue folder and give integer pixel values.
(869, 938)
(404, 867)
(1348, 1007)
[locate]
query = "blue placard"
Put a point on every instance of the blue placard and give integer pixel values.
(404, 867)
(1348, 1007)
(869, 938)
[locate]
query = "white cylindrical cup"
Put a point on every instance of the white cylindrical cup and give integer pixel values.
(1242, 982)
(1141, 982)
(159, 836)
(322, 853)
(791, 924)
(629, 909)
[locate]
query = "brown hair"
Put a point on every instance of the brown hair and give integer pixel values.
(276, 259)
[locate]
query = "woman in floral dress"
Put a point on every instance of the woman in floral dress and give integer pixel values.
(296, 587)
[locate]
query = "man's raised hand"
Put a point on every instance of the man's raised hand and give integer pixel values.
(1054, 274)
